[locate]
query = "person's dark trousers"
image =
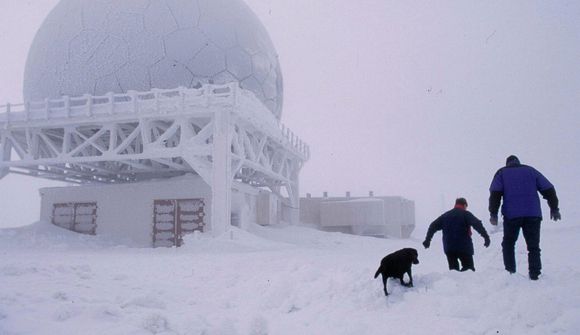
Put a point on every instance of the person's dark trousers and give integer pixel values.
(530, 227)
(453, 259)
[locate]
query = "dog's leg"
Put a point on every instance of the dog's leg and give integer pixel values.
(385, 284)
(402, 281)
(410, 279)
(410, 283)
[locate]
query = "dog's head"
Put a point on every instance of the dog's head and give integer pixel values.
(413, 255)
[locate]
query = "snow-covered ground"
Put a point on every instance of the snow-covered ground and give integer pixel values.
(289, 280)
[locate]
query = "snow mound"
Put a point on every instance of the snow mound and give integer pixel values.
(46, 236)
(264, 238)
(233, 240)
(278, 280)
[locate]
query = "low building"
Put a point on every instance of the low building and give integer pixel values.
(388, 216)
(153, 213)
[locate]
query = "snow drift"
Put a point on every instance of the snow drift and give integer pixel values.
(277, 280)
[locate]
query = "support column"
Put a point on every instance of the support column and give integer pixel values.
(5, 155)
(295, 194)
(221, 173)
(295, 201)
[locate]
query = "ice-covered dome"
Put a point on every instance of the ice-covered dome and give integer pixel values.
(100, 46)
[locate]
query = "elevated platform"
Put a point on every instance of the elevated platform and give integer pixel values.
(220, 132)
(140, 132)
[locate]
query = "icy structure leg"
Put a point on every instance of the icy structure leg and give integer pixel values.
(295, 202)
(5, 151)
(221, 173)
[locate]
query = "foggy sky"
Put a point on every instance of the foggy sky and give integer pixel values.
(420, 99)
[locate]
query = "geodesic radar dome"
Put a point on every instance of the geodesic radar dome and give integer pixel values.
(100, 46)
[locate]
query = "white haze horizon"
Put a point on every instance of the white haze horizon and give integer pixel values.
(418, 99)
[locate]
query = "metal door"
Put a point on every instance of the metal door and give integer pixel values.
(78, 217)
(85, 218)
(173, 218)
(164, 223)
(63, 215)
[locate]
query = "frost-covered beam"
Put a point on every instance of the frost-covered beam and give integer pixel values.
(5, 154)
(43, 172)
(221, 172)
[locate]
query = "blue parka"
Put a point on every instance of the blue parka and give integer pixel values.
(519, 185)
(456, 225)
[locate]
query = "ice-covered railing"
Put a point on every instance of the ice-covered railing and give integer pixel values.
(154, 102)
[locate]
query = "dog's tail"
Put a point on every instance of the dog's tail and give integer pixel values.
(378, 272)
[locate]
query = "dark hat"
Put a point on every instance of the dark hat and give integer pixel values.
(461, 201)
(512, 160)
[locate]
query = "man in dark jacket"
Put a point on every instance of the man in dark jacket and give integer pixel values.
(519, 185)
(457, 244)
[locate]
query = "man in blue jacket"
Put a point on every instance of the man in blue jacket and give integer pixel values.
(519, 186)
(457, 244)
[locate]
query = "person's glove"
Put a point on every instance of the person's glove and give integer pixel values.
(486, 242)
(426, 244)
(555, 215)
(493, 219)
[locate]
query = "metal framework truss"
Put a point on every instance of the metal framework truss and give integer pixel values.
(220, 132)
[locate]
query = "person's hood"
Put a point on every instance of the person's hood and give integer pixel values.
(512, 161)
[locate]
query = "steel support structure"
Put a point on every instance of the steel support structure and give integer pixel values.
(220, 132)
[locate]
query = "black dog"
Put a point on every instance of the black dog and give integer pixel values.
(398, 263)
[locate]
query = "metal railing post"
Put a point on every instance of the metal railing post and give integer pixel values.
(66, 99)
(27, 111)
(89, 104)
(8, 109)
(111, 97)
(47, 108)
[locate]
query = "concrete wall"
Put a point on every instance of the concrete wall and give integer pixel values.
(310, 210)
(244, 205)
(359, 212)
(399, 216)
(377, 216)
(125, 211)
(267, 209)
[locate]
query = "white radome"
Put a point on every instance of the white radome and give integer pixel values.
(100, 46)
